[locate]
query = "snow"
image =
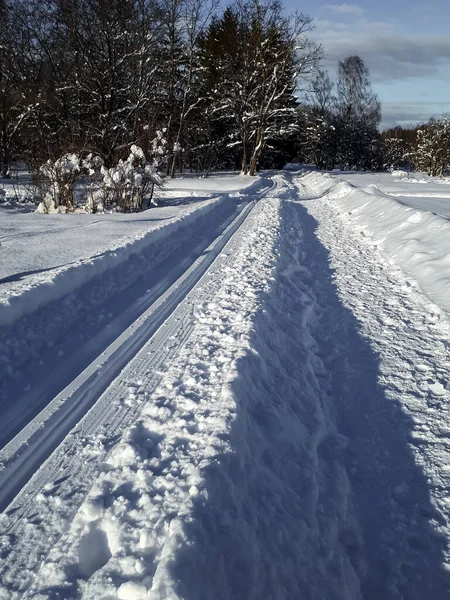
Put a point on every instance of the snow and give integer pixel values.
(396, 425)
(280, 432)
(412, 230)
(416, 190)
(47, 256)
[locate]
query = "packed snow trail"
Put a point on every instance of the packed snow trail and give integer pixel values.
(286, 438)
(79, 456)
(391, 391)
(232, 483)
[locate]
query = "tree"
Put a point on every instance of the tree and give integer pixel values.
(15, 107)
(97, 76)
(252, 58)
(182, 24)
(358, 114)
(319, 123)
(433, 146)
(397, 153)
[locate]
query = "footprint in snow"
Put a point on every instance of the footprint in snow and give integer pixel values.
(436, 389)
(431, 318)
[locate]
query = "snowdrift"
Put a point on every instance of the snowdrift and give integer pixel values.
(418, 240)
(26, 296)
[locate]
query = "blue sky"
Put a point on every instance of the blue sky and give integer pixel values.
(405, 44)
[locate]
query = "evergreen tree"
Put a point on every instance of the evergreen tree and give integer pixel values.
(252, 58)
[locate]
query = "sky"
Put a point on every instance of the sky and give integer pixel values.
(404, 43)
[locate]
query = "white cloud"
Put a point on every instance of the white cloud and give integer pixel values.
(349, 9)
(407, 113)
(390, 54)
(410, 72)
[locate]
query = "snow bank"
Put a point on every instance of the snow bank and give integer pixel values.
(25, 297)
(417, 239)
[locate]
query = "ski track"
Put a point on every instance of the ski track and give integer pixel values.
(63, 337)
(283, 435)
(111, 414)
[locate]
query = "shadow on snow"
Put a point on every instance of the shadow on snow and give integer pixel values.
(307, 504)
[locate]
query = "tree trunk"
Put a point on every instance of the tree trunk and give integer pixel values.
(173, 165)
(257, 152)
(5, 154)
(244, 167)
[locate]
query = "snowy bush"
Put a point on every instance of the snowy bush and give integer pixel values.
(159, 150)
(124, 187)
(127, 185)
(91, 166)
(399, 174)
(59, 183)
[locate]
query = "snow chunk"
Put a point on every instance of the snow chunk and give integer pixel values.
(399, 174)
(132, 590)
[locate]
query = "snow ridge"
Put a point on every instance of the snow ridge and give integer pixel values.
(418, 240)
(26, 296)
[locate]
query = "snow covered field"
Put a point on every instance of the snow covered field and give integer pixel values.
(246, 399)
(411, 189)
(56, 254)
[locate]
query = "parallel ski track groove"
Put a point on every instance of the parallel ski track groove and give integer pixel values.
(27, 452)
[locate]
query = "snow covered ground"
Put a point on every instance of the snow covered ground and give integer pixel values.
(411, 189)
(251, 404)
(46, 256)
(412, 230)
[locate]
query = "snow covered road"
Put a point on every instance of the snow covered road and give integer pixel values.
(283, 435)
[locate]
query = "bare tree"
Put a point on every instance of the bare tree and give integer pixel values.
(182, 24)
(318, 122)
(358, 113)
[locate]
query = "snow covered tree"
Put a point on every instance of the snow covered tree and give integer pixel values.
(182, 24)
(88, 71)
(358, 114)
(16, 105)
(111, 72)
(96, 76)
(397, 153)
(318, 126)
(253, 57)
(433, 146)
